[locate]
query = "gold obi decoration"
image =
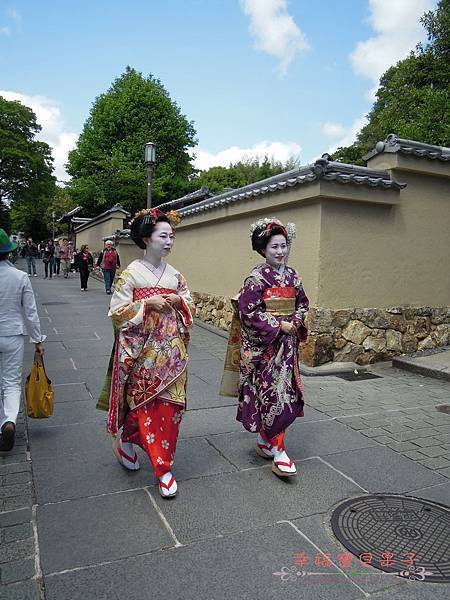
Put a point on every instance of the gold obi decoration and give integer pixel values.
(280, 301)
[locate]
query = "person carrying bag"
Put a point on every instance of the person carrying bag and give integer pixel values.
(38, 391)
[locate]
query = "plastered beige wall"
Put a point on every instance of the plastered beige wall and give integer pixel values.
(356, 247)
(93, 235)
(380, 256)
(216, 256)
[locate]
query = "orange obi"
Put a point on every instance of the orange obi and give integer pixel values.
(142, 293)
(280, 301)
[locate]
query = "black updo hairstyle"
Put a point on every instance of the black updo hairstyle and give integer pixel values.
(259, 242)
(144, 225)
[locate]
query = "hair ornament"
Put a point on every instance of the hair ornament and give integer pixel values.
(151, 216)
(266, 225)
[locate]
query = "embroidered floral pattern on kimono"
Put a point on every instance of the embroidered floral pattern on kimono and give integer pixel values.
(150, 356)
(270, 394)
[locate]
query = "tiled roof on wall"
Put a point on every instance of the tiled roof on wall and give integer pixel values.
(394, 144)
(193, 197)
(322, 169)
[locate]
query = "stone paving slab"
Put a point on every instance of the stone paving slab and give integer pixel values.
(97, 529)
(380, 469)
(238, 566)
(432, 364)
(77, 476)
(76, 412)
(209, 421)
(437, 493)
(71, 392)
(90, 440)
(24, 590)
(228, 503)
(203, 395)
(302, 441)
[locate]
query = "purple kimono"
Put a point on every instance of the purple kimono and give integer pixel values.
(270, 394)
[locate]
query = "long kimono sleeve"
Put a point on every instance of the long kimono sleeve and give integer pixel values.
(301, 309)
(123, 310)
(187, 309)
(261, 326)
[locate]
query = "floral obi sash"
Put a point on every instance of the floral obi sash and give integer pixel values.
(148, 292)
(280, 301)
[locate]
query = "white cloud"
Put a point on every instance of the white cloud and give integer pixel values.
(278, 151)
(345, 135)
(332, 130)
(274, 30)
(398, 30)
(15, 17)
(48, 115)
(16, 23)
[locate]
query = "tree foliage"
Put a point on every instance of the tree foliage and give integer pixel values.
(240, 173)
(107, 165)
(26, 180)
(413, 98)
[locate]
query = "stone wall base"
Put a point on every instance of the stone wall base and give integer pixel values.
(361, 335)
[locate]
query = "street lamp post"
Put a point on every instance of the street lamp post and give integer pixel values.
(150, 156)
(53, 225)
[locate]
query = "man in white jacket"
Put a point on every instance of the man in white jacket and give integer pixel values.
(18, 315)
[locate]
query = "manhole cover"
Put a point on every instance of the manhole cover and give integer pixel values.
(358, 376)
(444, 408)
(53, 303)
(397, 534)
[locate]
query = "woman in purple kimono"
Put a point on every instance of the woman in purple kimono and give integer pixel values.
(272, 307)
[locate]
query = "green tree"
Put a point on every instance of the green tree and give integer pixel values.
(240, 173)
(25, 167)
(107, 166)
(60, 203)
(413, 98)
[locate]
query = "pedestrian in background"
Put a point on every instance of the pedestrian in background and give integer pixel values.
(65, 255)
(30, 253)
(57, 263)
(18, 315)
(49, 258)
(108, 260)
(85, 264)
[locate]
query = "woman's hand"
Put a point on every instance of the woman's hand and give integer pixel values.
(159, 303)
(288, 328)
(173, 299)
(39, 347)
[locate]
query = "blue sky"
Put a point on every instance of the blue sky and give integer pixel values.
(278, 76)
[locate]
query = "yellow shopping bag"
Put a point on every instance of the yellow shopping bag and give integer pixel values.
(38, 391)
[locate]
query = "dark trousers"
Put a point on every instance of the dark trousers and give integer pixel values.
(57, 266)
(108, 278)
(84, 276)
(47, 264)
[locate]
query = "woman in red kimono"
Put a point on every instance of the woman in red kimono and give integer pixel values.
(151, 309)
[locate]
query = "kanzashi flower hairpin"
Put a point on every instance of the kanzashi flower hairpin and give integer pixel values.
(151, 215)
(267, 224)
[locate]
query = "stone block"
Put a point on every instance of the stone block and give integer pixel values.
(356, 332)
(393, 340)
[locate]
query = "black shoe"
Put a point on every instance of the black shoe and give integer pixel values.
(8, 436)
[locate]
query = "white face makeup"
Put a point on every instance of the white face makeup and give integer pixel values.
(276, 250)
(161, 241)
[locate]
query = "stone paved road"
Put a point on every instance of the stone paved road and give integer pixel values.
(75, 525)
